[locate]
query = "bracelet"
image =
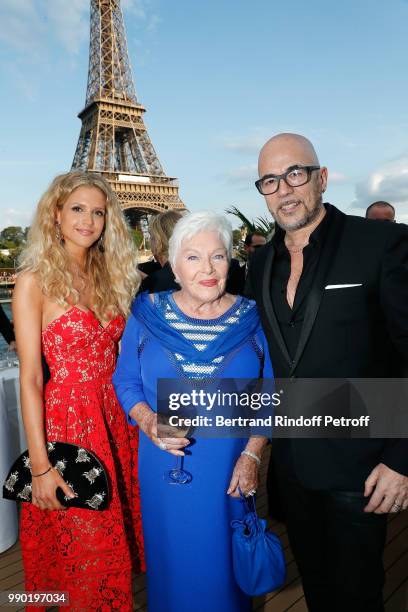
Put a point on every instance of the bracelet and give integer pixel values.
(42, 473)
(252, 455)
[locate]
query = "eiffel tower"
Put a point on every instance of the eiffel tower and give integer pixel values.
(113, 140)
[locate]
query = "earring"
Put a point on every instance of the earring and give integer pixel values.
(100, 244)
(58, 234)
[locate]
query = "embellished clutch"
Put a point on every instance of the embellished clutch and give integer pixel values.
(80, 469)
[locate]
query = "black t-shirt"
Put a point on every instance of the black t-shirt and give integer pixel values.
(291, 319)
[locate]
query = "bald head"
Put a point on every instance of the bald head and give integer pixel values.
(282, 147)
(293, 205)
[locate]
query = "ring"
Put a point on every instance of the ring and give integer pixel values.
(251, 493)
(162, 445)
(397, 506)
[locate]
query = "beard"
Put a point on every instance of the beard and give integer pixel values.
(309, 216)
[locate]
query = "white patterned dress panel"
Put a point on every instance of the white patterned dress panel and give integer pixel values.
(201, 333)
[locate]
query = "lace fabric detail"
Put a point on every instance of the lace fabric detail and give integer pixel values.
(89, 554)
(200, 332)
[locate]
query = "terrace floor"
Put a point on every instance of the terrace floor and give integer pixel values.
(290, 597)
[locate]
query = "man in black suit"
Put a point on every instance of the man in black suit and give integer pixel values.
(332, 292)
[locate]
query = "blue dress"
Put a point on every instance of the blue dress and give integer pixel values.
(186, 528)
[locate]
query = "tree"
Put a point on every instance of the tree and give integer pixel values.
(236, 237)
(260, 225)
(13, 235)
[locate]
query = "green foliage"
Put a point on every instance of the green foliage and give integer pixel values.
(260, 225)
(10, 261)
(14, 239)
(12, 236)
(137, 235)
(236, 237)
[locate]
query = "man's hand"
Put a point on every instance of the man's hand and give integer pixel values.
(390, 490)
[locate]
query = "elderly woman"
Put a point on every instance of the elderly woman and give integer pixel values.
(202, 332)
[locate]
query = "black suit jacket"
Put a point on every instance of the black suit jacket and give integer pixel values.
(236, 278)
(355, 332)
(160, 280)
(6, 328)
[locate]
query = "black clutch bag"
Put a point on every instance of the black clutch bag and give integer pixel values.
(80, 469)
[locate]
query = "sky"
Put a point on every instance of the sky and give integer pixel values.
(217, 78)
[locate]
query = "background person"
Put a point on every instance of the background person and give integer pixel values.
(253, 241)
(160, 230)
(238, 272)
(384, 211)
(199, 332)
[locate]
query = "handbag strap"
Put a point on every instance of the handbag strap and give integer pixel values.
(250, 505)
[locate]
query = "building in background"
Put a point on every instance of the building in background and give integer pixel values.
(114, 140)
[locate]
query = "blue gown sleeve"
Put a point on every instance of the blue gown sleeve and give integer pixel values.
(127, 378)
(267, 367)
(266, 373)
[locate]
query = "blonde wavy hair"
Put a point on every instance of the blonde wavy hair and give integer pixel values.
(112, 268)
(160, 229)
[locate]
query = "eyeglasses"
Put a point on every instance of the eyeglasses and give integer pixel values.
(295, 176)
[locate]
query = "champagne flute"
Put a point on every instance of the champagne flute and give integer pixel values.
(177, 475)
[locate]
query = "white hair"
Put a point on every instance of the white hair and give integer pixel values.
(192, 224)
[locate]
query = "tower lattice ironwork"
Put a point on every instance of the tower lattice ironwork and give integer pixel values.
(113, 138)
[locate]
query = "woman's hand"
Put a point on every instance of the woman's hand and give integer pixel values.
(147, 421)
(245, 476)
(44, 488)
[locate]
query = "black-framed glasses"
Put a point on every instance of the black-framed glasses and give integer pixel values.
(295, 176)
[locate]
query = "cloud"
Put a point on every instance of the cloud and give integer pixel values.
(247, 145)
(21, 27)
(28, 26)
(389, 182)
(137, 7)
(244, 175)
(252, 143)
(15, 216)
(337, 177)
(69, 22)
(143, 11)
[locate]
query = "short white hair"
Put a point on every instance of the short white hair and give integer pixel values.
(192, 224)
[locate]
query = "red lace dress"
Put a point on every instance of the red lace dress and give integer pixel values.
(87, 553)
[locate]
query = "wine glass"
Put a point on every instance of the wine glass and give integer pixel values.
(177, 475)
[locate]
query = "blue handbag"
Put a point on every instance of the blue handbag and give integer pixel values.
(257, 553)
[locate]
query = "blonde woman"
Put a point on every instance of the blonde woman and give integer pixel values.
(160, 230)
(78, 275)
